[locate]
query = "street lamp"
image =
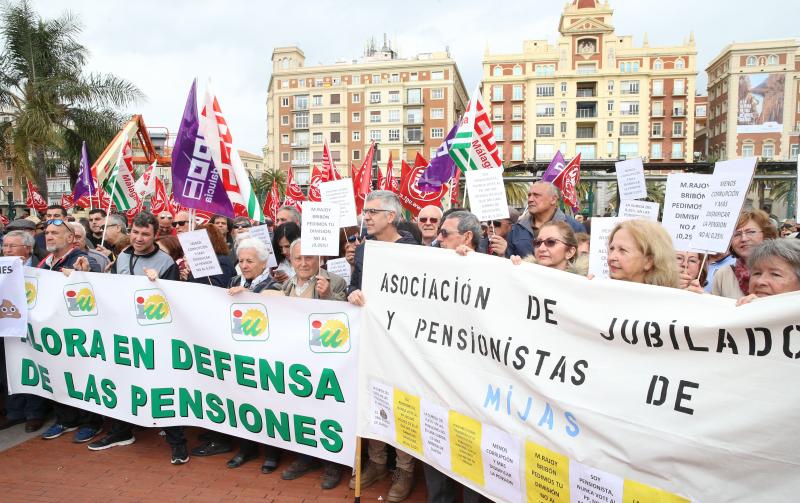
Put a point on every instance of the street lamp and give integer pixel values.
(10, 197)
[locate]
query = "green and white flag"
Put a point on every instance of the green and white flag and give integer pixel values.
(121, 184)
(474, 146)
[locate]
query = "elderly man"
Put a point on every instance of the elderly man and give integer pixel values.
(288, 214)
(381, 216)
(428, 223)
(165, 224)
(542, 208)
(97, 261)
(181, 222)
(27, 226)
(116, 238)
(53, 212)
(97, 220)
(495, 242)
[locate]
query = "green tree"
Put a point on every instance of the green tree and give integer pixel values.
(53, 102)
(263, 184)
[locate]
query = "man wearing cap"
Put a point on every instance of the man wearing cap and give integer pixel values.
(29, 228)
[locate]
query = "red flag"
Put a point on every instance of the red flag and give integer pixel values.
(4, 219)
(159, 201)
(34, 199)
(389, 181)
(131, 213)
(454, 192)
(273, 202)
(381, 179)
(364, 179)
(567, 182)
(410, 196)
(294, 195)
(328, 168)
(66, 201)
(420, 161)
(317, 177)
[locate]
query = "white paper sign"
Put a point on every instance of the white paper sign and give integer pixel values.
(501, 466)
(434, 426)
(341, 192)
(630, 179)
(598, 245)
(339, 267)
(631, 208)
(590, 485)
(487, 195)
(729, 185)
(261, 232)
(382, 409)
(320, 229)
(14, 304)
(199, 253)
(683, 206)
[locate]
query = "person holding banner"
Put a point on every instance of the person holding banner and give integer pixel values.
(641, 251)
(460, 231)
(774, 269)
(222, 252)
(752, 228)
(556, 247)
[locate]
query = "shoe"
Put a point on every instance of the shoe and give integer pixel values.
(331, 476)
(241, 458)
(112, 440)
(270, 465)
(8, 423)
(372, 473)
(211, 448)
(84, 434)
(56, 430)
(179, 454)
(402, 484)
(32, 425)
(300, 467)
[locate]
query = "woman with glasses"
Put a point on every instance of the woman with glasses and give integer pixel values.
(640, 251)
(556, 247)
(690, 277)
(752, 228)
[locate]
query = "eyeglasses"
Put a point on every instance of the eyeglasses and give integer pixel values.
(58, 221)
(374, 211)
(180, 223)
(745, 234)
(495, 223)
(240, 226)
(165, 218)
(444, 232)
(425, 220)
(549, 242)
(9, 245)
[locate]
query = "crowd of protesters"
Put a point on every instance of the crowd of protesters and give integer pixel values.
(763, 260)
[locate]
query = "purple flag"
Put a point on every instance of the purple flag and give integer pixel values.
(556, 166)
(195, 180)
(441, 167)
(84, 185)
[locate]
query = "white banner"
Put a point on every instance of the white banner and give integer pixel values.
(275, 370)
(530, 384)
(13, 309)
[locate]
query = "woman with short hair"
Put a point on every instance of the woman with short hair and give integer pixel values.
(556, 247)
(774, 269)
(640, 251)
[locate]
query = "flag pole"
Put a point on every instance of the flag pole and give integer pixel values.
(703, 263)
(191, 219)
(108, 211)
(357, 468)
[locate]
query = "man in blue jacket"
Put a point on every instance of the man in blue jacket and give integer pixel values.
(542, 208)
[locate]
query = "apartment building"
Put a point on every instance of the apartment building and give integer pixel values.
(404, 105)
(593, 92)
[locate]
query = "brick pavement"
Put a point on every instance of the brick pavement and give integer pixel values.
(39, 471)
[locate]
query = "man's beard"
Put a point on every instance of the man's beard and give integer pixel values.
(51, 248)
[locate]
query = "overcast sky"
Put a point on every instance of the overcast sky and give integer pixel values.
(162, 45)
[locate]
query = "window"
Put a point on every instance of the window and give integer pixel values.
(516, 153)
(497, 93)
(516, 132)
(437, 133)
(700, 110)
(772, 59)
(301, 120)
(584, 131)
(516, 112)
(336, 81)
(498, 133)
(301, 83)
(356, 135)
(610, 126)
(658, 65)
(394, 115)
(628, 128)
(680, 64)
(317, 82)
(375, 134)
(284, 120)
(376, 78)
(335, 99)
(500, 152)
(285, 101)
(545, 110)
(677, 129)
(356, 79)
(437, 75)
(545, 89)
(517, 70)
(678, 87)
(629, 108)
(414, 96)
(316, 138)
(375, 97)
(563, 87)
(563, 107)
(284, 156)
(658, 88)
(414, 116)
(677, 150)
(356, 116)
(751, 61)
(657, 130)
(630, 87)
(497, 71)
(436, 94)
(317, 156)
(497, 113)
(374, 116)
(356, 98)
(610, 87)
(284, 84)
(587, 150)
(394, 96)
(768, 151)
(587, 68)
(316, 100)
(414, 134)
(516, 92)
(794, 150)
(394, 78)
(563, 128)
(658, 109)
(336, 118)
(301, 102)
(413, 77)
(284, 139)
(545, 70)
(316, 119)
(545, 130)
(748, 150)
(437, 113)
(628, 150)
(655, 151)
(610, 106)
(394, 135)
(356, 155)
(336, 137)
(678, 110)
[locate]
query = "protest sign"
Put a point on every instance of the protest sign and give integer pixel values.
(487, 194)
(261, 232)
(683, 205)
(631, 208)
(340, 192)
(320, 229)
(274, 370)
(13, 295)
(340, 267)
(585, 391)
(797, 192)
(728, 188)
(630, 179)
(598, 244)
(199, 253)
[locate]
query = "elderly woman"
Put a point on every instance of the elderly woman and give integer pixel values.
(774, 269)
(556, 247)
(641, 251)
(689, 275)
(752, 228)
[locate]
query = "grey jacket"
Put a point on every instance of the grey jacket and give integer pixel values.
(338, 286)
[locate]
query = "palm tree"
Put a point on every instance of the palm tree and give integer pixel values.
(263, 184)
(52, 102)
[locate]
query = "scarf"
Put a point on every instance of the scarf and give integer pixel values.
(256, 281)
(742, 274)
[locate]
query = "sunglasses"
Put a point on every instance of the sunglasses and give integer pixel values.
(58, 221)
(425, 220)
(180, 223)
(444, 232)
(242, 226)
(495, 223)
(549, 242)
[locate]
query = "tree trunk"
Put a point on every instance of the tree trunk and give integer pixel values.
(41, 171)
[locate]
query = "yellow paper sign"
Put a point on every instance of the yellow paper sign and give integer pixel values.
(635, 492)
(546, 475)
(406, 420)
(465, 447)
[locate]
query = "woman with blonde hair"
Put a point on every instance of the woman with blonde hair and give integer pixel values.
(641, 251)
(556, 247)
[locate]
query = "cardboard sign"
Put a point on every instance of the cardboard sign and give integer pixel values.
(487, 195)
(631, 208)
(340, 267)
(729, 185)
(199, 253)
(683, 206)
(320, 229)
(630, 179)
(261, 232)
(340, 192)
(598, 245)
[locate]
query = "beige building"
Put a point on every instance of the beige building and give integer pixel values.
(753, 107)
(405, 105)
(592, 92)
(253, 163)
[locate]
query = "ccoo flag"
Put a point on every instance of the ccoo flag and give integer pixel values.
(473, 146)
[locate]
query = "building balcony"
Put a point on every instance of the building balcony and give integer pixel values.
(497, 118)
(517, 98)
(545, 114)
(629, 112)
(297, 163)
(629, 91)
(656, 135)
(415, 141)
(497, 99)
(584, 113)
(300, 108)
(676, 156)
(657, 94)
(300, 144)
(678, 135)
(519, 118)
(300, 126)
(679, 92)
(413, 122)
(410, 103)
(656, 157)
(656, 113)
(678, 112)
(585, 93)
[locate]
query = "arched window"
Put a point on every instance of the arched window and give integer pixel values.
(680, 64)
(751, 61)
(497, 72)
(658, 65)
(772, 60)
(517, 70)
(285, 63)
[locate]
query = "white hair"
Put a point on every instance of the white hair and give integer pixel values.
(294, 243)
(77, 228)
(262, 252)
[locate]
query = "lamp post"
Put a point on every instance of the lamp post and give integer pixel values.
(10, 196)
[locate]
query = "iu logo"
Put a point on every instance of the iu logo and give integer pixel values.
(151, 307)
(31, 291)
(249, 322)
(80, 299)
(329, 333)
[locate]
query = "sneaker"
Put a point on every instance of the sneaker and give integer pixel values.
(57, 430)
(372, 473)
(402, 484)
(84, 434)
(179, 454)
(112, 440)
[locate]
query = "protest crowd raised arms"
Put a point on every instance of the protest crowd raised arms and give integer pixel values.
(461, 329)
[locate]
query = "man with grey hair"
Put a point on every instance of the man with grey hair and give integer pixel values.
(287, 214)
(381, 215)
(116, 236)
(97, 261)
(542, 208)
(460, 228)
(20, 244)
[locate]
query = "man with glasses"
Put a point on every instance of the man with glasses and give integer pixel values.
(54, 211)
(428, 223)
(116, 238)
(97, 261)
(460, 228)
(381, 215)
(495, 242)
(181, 222)
(97, 220)
(165, 224)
